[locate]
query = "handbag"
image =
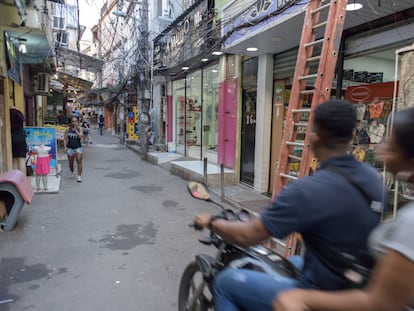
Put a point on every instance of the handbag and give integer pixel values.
(29, 168)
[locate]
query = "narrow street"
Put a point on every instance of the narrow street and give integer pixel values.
(117, 241)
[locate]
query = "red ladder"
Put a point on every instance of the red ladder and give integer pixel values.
(318, 48)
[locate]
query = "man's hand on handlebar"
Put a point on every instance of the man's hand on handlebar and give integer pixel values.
(202, 220)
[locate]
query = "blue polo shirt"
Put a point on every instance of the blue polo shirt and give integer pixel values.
(329, 210)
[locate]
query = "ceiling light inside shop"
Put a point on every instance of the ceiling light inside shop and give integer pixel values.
(217, 53)
(185, 68)
(214, 70)
(204, 59)
(354, 6)
(251, 49)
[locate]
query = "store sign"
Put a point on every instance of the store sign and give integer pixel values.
(184, 41)
(360, 93)
(249, 16)
(370, 92)
(178, 37)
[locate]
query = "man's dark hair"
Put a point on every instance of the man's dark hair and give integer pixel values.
(335, 120)
(404, 130)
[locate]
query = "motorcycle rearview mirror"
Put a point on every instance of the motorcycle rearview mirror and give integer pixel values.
(198, 190)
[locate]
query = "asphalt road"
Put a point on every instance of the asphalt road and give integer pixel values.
(117, 241)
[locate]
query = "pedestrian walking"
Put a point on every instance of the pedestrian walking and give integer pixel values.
(101, 123)
(62, 118)
(73, 147)
(87, 139)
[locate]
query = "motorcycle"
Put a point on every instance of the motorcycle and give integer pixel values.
(196, 285)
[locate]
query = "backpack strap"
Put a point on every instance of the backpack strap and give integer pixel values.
(375, 205)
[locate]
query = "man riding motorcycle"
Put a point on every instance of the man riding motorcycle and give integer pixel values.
(333, 210)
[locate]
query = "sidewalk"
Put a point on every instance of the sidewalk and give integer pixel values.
(235, 194)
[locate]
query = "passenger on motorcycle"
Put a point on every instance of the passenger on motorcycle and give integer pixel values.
(327, 208)
(391, 284)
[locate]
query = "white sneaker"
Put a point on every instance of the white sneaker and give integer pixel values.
(79, 178)
(72, 175)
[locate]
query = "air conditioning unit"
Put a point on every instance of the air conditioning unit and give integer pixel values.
(42, 84)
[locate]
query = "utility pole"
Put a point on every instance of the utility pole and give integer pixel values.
(122, 98)
(145, 83)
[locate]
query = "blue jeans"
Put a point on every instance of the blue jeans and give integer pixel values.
(243, 289)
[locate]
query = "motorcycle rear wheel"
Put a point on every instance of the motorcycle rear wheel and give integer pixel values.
(190, 282)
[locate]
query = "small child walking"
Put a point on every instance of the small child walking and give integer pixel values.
(42, 165)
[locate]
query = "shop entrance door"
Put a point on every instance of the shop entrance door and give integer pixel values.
(248, 133)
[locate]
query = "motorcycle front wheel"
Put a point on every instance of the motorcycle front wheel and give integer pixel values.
(193, 289)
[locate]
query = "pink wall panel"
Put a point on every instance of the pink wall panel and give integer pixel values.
(170, 118)
(228, 96)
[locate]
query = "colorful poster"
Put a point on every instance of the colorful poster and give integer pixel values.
(35, 136)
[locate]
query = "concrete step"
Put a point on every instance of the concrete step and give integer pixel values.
(194, 170)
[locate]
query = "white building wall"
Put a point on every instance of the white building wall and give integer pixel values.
(263, 122)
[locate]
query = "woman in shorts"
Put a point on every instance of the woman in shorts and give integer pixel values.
(73, 147)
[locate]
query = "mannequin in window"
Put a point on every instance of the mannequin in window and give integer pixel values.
(42, 165)
(19, 146)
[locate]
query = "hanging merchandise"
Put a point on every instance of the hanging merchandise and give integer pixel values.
(370, 156)
(372, 120)
(361, 108)
(375, 110)
(362, 136)
(359, 154)
(376, 132)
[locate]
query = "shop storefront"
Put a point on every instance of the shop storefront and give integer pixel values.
(372, 94)
(365, 77)
(186, 84)
(368, 80)
(195, 104)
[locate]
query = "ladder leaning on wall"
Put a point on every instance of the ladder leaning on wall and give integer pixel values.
(318, 49)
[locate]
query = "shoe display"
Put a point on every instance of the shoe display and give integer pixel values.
(79, 179)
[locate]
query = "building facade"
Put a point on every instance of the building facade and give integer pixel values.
(26, 60)
(266, 38)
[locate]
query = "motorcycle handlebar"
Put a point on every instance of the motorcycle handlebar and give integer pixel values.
(196, 226)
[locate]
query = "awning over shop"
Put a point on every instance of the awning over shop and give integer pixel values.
(37, 45)
(79, 60)
(73, 81)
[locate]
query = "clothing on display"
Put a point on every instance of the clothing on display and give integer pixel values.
(376, 132)
(359, 154)
(362, 136)
(370, 157)
(360, 109)
(375, 110)
(42, 160)
(387, 110)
